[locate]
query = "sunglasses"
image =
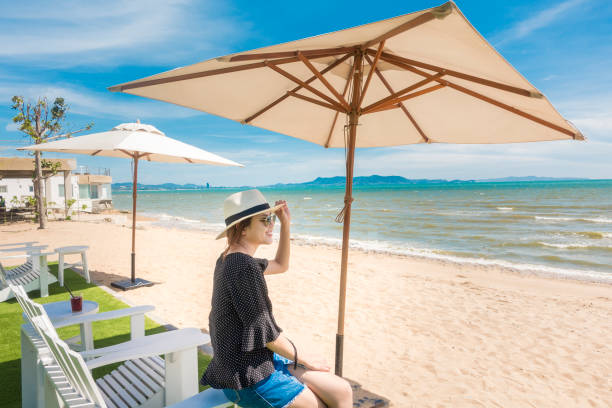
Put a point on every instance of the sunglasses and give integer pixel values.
(268, 220)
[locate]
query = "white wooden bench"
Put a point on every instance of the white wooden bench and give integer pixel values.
(144, 379)
(62, 265)
(32, 275)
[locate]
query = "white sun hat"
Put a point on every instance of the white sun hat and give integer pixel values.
(242, 205)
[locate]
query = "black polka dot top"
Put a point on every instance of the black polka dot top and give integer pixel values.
(240, 323)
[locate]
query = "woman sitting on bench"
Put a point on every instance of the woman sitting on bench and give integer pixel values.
(253, 362)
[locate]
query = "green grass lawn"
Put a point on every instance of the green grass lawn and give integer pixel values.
(105, 333)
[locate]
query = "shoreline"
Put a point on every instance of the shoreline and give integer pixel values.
(148, 220)
(418, 332)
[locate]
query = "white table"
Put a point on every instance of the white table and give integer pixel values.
(72, 250)
(61, 311)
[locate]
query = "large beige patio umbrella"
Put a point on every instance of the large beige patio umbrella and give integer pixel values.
(424, 77)
(135, 141)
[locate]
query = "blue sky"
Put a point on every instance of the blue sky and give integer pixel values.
(76, 49)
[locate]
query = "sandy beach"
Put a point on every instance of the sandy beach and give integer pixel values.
(419, 332)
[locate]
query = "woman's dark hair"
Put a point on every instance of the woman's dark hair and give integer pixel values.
(235, 232)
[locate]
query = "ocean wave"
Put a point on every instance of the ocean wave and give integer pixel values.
(505, 208)
(562, 259)
(592, 234)
(449, 256)
(553, 219)
(576, 246)
(406, 249)
(600, 220)
(174, 221)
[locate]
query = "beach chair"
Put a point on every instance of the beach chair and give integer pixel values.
(31, 349)
(32, 275)
(145, 379)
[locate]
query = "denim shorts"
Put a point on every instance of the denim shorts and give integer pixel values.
(278, 390)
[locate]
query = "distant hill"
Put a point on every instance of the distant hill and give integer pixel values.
(528, 178)
(339, 181)
(373, 180)
(156, 187)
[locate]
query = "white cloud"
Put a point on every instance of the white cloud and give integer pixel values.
(596, 124)
(592, 115)
(72, 33)
(98, 104)
(537, 21)
(11, 127)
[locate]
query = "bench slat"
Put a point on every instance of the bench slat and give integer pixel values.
(122, 393)
(128, 386)
(107, 400)
(139, 373)
(110, 393)
(157, 364)
(135, 381)
(150, 373)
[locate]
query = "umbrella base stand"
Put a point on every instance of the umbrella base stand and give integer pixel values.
(128, 284)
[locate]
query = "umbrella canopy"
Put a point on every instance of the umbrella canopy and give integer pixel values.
(128, 139)
(135, 141)
(436, 79)
(424, 77)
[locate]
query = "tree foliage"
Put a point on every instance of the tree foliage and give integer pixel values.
(42, 122)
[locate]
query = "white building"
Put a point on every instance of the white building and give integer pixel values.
(91, 192)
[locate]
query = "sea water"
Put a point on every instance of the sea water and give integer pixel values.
(561, 228)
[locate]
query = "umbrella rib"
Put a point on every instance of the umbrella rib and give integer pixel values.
(130, 155)
(372, 68)
(325, 52)
(395, 103)
(517, 111)
(315, 101)
(297, 88)
(422, 19)
(202, 74)
(402, 106)
(572, 134)
(188, 160)
(346, 87)
(96, 152)
(304, 85)
(394, 98)
(323, 80)
(509, 88)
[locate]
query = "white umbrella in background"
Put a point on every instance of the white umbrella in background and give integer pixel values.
(424, 77)
(135, 141)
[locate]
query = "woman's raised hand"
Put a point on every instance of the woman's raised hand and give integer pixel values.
(283, 213)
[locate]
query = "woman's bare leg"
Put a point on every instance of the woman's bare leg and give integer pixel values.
(307, 399)
(334, 391)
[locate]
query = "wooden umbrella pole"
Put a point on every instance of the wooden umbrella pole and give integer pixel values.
(134, 217)
(348, 198)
